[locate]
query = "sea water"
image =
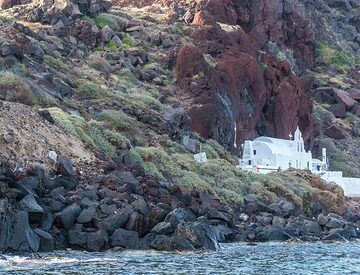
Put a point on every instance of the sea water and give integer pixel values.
(236, 258)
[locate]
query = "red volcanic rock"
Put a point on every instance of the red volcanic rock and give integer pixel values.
(235, 86)
(336, 132)
(356, 110)
(354, 94)
(344, 97)
(189, 63)
(6, 4)
(211, 11)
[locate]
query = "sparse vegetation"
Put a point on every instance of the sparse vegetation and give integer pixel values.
(341, 59)
(128, 42)
(91, 90)
(99, 63)
(117, 119)
(13, 88)
(322, 117)
(104, 19)
(57, 64)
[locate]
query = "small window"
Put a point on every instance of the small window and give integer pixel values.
(308, 165)
(254, 152)
(249, 162)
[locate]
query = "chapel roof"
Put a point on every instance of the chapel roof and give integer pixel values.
(277, 146)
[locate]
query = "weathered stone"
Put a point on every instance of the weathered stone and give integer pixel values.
(68, 215)
(200, 235)
(86, 215)
(46, 240)
(125, 238)
(311, 228)
(78, 238)
(272, 233)
(163, 228)
(140, 205)
(180, 215)
(106, 34)
(97, 241)
(322, 219)
(115, 221)
(64, 166)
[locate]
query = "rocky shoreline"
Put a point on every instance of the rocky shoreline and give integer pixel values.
(108, 94)
(129, 209)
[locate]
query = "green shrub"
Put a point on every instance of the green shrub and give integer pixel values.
(99, 63)
(117, 119)
(57, 64)
(116, 139)
(91, 90)
(89, 20)
(73, 124)
(104, 19)
(342, 59)
(101, 142)
(44, 102)
(128, 42)
(13, 88)
(340, 161)
(321, 116)
(146, 101)
(112, 46)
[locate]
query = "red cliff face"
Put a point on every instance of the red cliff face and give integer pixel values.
(236, 85)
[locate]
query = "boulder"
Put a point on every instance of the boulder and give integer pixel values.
(278, 221)
(338, 110)
(167, 243)
(46, 240)
(78, 238)
(189, 143)
(97, 241)
(200, 235)
(16, 234)
(334, 223)
(65, 90)
(86, 215)
(224, 233)
(322, 219)
(163, 228)
(311, 228)
(139, 223)
(140, 205)
(180, 215)
(125, 238)
(334, 237)
(106, 33)
(64, 166)
(67, 216)
(345, 98)
(158, 213)
(272, 233)
(354, 93)
(30, 205)
(336, 132)
(116, 220)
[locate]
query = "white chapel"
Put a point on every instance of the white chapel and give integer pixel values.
(266, 154)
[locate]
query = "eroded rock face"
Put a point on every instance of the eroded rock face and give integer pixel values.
(239, 91)
(73, 7)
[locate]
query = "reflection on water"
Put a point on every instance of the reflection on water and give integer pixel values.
(270, 258)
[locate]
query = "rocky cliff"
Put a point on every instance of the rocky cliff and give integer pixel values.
(101, 111)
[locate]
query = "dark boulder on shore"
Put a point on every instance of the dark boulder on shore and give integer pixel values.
(98, 214)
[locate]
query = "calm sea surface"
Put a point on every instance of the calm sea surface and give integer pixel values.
(269, 258)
